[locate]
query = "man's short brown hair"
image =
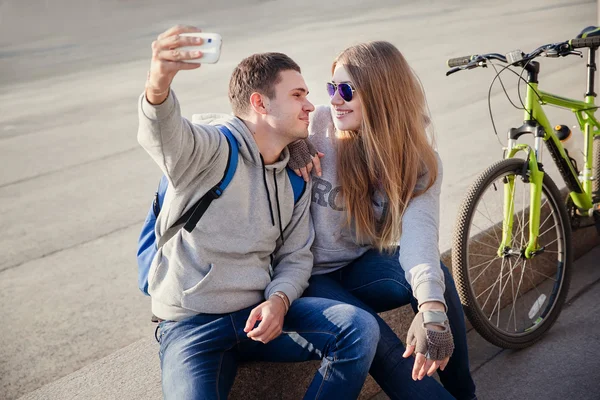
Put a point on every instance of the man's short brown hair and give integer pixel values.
(257, 73)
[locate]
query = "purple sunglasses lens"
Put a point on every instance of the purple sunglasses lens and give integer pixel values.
(345, 91)
(330, 89)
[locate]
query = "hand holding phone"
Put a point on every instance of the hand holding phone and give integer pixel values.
(172, 52)
(210, 48)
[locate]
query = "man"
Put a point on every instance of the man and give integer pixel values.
(212, 287)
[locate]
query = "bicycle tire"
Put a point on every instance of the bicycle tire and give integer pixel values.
(549, 306)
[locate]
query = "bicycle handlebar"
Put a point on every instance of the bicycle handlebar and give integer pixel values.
(593, 41)
(518, 58)
(469, 62)
(460, 61)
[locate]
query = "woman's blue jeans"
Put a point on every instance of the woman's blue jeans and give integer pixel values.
(375, 282)
(199, 355)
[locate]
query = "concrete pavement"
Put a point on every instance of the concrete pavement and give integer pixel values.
(562, 365)
(75, 186)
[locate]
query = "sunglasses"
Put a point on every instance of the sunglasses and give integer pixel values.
(344, 89)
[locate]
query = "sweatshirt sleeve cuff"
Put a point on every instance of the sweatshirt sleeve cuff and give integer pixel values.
(158, 111)
(287, 288)
(430, 291)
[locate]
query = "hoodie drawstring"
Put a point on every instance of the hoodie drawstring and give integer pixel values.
(278, 208)
(262, 161)
(276, 198)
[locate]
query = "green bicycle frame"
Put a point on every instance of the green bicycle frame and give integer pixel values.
(580, 192)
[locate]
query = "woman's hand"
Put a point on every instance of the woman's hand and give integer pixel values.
(315, 163)
(304, 157)
(430, 336)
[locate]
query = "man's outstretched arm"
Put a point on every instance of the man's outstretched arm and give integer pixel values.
(174, 143)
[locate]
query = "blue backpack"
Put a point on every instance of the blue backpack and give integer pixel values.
(147, 245)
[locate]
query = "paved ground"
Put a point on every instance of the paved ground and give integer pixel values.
(75, 186)
(563, 365)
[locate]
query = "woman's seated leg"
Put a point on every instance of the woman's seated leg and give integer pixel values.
(378, 280)
(389, 369)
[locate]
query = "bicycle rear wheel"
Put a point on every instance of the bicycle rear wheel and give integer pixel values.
(509, 299)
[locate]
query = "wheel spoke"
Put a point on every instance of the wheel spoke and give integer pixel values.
(519, 294)
(485, 231)
(489, 262)
(493, 223)
(547, 230)
(512, 311)
(483, 255)
(482, 272)
(521, 277)
(490, 288)
(485, 244)
(500, 293)
(555, 240)
(522, 286)
(545, 276)
(548, 217)
(532, 283)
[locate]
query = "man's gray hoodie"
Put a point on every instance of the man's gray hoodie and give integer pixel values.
(224, 264)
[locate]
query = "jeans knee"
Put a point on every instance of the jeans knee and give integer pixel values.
(369, 324)
(365, 331)
(357, 328)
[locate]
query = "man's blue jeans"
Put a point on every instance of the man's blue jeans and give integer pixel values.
(375, 282)
(199, 355)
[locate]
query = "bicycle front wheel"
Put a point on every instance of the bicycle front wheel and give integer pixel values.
(509, 299)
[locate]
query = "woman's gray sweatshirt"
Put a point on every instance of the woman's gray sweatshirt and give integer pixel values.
(335, 245)
(224, 264)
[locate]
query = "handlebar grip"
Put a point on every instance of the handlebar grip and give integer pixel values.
(459, 61)
(593, 41)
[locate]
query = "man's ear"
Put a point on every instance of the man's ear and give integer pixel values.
(259, 103)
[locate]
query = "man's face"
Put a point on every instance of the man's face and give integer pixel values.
(288, 110)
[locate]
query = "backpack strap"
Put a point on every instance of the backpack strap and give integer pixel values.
(159, 196)
(298, 184)
(190, 219)
(200, 208)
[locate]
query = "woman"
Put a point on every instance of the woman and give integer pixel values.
(376, 214)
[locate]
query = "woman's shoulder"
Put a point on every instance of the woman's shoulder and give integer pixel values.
(320, 121)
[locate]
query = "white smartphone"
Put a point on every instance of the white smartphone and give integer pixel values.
(211, 48)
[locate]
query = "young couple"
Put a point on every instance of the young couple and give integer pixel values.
(259, 278)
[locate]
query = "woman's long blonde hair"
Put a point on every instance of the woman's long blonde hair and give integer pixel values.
(391, 150)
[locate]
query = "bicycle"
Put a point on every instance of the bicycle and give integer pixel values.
(513, 269)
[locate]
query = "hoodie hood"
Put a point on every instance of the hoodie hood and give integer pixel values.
(248, 147)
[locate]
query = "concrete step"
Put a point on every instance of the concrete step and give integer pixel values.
(133, 372)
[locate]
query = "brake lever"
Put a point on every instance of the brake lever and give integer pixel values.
(471, 65)
(453, 70)
(575, 53)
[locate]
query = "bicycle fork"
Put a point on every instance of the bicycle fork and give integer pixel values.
(535, 178)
